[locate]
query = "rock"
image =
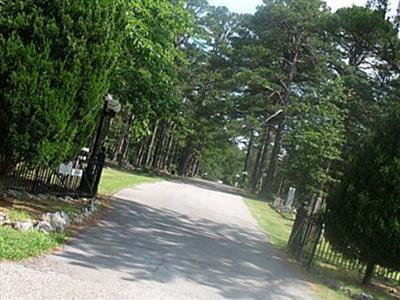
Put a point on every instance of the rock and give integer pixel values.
(23, 226)
(44, 227)
(59, 221)
(53, 198)
(346, 291)
(44, 196)
(87, 212)
(363, 296)
(93, 206)
(334, 284)
(68, 199)
(3, 218)
(15, 194)
(77, 219)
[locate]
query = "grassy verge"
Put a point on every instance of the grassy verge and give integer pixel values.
(278, 230)
(16, 245)
(277, 227)
(114, 180)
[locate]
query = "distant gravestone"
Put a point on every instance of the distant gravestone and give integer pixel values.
(290, 198)
(278, 203)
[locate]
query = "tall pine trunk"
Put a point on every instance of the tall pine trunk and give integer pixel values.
(266, 188)
(185, 157)
(165, 160)
(254, 179)
(261, 157)
(151, 145)
(159, 145)
(247, 161)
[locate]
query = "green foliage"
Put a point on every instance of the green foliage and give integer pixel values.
(315, 139)
(363, 211)
(223, 161)
(146, 72)
(55, 61)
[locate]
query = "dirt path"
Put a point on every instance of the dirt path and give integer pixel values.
(162, 241)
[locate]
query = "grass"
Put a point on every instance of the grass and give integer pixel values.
(277, 227)
(278, 230)
(18, 215)
(114, 180)
(16, 245)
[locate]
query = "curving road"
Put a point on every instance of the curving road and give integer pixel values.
(167, 240)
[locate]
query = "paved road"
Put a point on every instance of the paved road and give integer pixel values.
(166, 240)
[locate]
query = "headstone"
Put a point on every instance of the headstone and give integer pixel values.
(278, 202)
(290, 198)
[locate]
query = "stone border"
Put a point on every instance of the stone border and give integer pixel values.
(51, 222)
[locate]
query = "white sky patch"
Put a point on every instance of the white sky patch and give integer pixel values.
(249, 6)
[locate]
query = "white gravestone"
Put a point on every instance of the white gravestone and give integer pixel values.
(290, 198)
(278, 203)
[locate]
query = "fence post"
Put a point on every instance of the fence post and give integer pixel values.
(296, 229)
(314, 249)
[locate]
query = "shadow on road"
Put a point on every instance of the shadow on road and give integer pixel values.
(143, 243)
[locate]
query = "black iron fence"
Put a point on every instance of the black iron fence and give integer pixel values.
(308, 244)
(77, 178)
(41, 179)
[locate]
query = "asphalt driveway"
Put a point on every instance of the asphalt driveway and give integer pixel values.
(166, 240)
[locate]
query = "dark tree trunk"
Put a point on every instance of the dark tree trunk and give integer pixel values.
(247, 161)
(284, 177)
(167, 152)
(254, 179)
(368, 273)
(266, 188)
(151, 145)
(171, 158)
(6, 167)
(142, 152)
(159, 145)
(264, 154)
(196, 168)
(127, 141)
(119, 146)
(185, 157)
(261, 157)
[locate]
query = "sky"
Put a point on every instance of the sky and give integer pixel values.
(249, 6)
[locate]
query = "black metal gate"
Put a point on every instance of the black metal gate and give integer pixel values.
(305, 235)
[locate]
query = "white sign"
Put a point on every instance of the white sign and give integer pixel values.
(77, 172)
(65, 169)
